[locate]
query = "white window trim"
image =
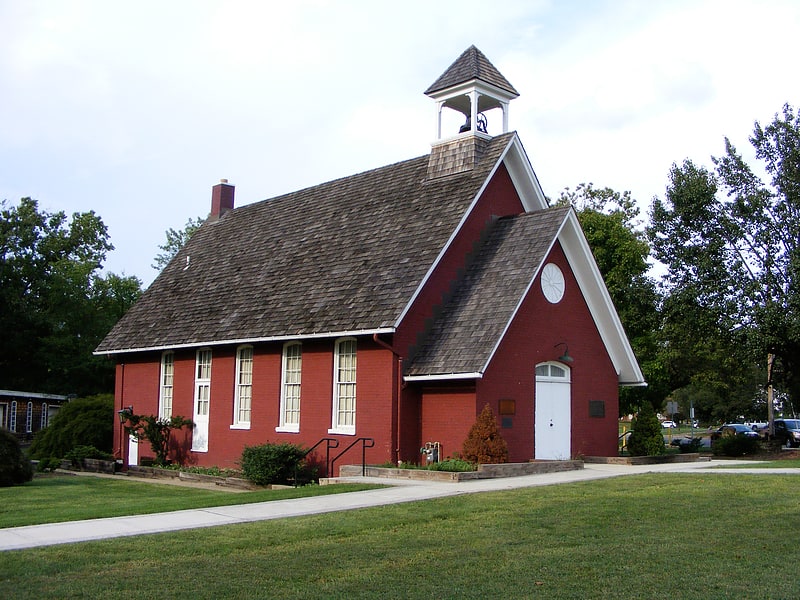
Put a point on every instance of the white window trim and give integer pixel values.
(285, 427)
(163, 386)
(43, 417)
(29, 418)
(12, 417)
(335, 427)
(237, 398)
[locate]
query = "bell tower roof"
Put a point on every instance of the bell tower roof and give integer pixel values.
(471, 65)
(471, 86)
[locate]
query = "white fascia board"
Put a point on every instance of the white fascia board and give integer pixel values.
(523, 177)
(230, 342)
(590, 281)
(442, 377)
(37, 395)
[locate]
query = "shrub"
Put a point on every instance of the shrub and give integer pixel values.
(484, 444)
(79, 453)
(275, 464)
(646, 438)
(15, 468)
(454, 465)
(81, 422)
(735, 445)
(690, 445)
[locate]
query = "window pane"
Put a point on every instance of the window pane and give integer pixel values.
(290, 398)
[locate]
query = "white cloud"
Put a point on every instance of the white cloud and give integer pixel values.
(136, 110)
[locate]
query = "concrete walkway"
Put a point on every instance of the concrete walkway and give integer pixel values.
(15, 538)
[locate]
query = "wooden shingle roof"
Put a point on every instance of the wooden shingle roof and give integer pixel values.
(343, 256)
(472, 323)
(472, 64)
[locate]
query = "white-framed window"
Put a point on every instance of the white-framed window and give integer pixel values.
(43, 421)
(243, 396)
(29, 418)
(291, 371)
(344, 387)
(12, 418)
(165, 388)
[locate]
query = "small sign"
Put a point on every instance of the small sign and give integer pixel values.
(672, 408)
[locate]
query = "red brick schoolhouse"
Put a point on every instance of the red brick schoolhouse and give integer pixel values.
(390, 306)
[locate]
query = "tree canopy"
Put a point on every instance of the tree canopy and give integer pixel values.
(611, 222)
(57, 306)
(731, 245)
(176, 239)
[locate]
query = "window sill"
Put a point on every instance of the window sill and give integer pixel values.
(342, 431)
(241, 426)
(287, 430)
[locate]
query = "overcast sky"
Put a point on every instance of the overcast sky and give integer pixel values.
(136, 109)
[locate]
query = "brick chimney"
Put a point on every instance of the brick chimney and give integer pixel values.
(221, 199)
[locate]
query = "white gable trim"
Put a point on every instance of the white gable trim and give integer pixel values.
(590, 281)
(594, 291)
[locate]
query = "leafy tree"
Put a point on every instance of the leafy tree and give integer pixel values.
(612, 225)
(15, 468)
(484, 444)
(646, 437)
(176, 239)
(80, 422)
(56, 305)
(731, 244)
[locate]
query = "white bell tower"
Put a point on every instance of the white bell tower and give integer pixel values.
(471, 86)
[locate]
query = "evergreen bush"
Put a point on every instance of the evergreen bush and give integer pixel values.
(484, 444)
(275, 464)
(735, 445)
(15, 468)
(646, 437)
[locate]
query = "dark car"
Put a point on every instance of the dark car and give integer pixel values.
(733, 429)
(787, 431)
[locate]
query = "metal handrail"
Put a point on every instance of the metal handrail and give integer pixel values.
(331, 443)
(365, 443)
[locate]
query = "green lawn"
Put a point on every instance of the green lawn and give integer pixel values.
(683, 535)
(74, 498)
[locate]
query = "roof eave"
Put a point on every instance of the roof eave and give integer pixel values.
(255, 340)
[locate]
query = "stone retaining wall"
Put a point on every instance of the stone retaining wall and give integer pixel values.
(483, 472)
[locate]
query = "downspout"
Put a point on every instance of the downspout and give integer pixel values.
(398, 392)
(122, 407)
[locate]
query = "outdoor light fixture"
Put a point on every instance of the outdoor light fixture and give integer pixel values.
(564, 357)
(125, 414)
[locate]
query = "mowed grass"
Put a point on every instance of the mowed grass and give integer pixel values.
(685, 536)
(74, 498)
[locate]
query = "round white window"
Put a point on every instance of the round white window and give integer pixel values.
(552, 283)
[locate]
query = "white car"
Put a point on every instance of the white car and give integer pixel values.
(668, 424)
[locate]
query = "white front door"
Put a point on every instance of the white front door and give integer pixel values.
(133, 451)
(202, 401)
(552, 418)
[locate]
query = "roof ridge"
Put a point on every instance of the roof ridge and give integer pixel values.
(472, 64)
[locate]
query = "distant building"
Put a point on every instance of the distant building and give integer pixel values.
(25, 413)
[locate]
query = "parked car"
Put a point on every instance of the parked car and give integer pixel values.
(787, 431)
(733, 429)
(668, 424)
